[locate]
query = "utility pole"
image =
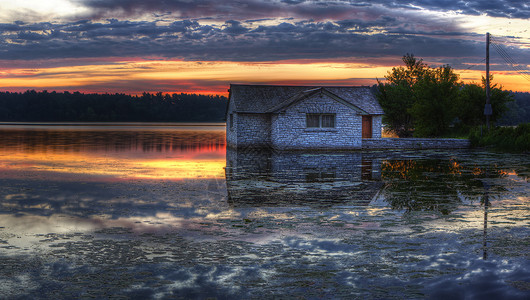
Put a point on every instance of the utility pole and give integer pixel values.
(487, 108)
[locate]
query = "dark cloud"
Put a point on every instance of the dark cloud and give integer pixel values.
(235, 28)
(186, 9)
(327, 30)
(234, 41)
(226, 10)
(318, 10)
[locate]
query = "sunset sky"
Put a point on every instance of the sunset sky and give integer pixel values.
(203, 46)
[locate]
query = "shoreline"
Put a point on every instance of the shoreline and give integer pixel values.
(213, 124)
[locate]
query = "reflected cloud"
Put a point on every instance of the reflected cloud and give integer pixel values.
(298, 224)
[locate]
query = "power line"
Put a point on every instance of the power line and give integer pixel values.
(508, 59)
(506, 56)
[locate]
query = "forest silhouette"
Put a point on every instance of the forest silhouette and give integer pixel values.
(44, 106)
(33, 106)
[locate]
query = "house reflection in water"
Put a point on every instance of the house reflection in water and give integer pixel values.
(272, 178)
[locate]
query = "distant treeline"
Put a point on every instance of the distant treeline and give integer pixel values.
(32, 106)
(518, 110)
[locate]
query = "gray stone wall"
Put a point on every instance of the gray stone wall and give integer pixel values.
(247, 129)
(377, 125)
(415, 143)
(289, 128)
(231, 134)
(253, 130)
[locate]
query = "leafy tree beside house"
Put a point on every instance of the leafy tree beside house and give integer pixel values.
(397, 97)
(429, 102)
(435, 95)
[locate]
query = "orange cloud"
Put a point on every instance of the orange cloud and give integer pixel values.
(135, 77)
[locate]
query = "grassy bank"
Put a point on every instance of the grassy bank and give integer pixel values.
(503, 138)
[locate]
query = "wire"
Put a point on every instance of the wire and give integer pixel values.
(512, 63)
(508, 59)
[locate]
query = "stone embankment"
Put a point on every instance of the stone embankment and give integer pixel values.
(415, 143)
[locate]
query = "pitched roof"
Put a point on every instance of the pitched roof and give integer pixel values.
(270, 98)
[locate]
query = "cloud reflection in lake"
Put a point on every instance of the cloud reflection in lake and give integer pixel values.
(148, 212)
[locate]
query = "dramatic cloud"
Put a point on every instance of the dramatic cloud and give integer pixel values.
(376, 32)
(237, 41)
(317, 10)
(255, 31)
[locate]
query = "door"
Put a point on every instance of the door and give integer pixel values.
(367, 127)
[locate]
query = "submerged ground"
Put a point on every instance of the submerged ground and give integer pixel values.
(167, 212)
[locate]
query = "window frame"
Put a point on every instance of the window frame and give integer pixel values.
(330, 121)
(323, 121)
(310, 119)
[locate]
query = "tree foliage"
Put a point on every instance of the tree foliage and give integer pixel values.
(503, 138)
(435, 93)
(397, 95)
(32, 106)
(472, 98)
(429, 102)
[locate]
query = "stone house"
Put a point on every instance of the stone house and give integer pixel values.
(301, 117)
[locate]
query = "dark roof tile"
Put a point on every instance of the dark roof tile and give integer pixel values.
(265, 98)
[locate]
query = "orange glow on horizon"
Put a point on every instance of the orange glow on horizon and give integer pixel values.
(213, 78)
(172, 168)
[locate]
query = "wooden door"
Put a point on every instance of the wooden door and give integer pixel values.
(367, 127)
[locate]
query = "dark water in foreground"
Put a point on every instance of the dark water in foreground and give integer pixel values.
(151, 212)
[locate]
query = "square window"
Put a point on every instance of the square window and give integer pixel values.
(328, 121)
(312, 120)
(320, 120)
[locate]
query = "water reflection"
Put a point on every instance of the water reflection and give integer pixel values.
(170, 221)
(120, 152)
(258, 177)
(124, 138)
(437, 184)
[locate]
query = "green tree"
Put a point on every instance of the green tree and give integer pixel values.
(435, 94)
(396, 95)
(469, 107)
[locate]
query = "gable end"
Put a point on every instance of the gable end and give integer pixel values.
(309, 93)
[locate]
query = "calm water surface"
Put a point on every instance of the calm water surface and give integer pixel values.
(166, 211)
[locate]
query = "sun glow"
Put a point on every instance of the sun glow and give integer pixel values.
(119, 168)
(135, 77)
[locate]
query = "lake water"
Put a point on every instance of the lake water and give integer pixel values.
(166, 211)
